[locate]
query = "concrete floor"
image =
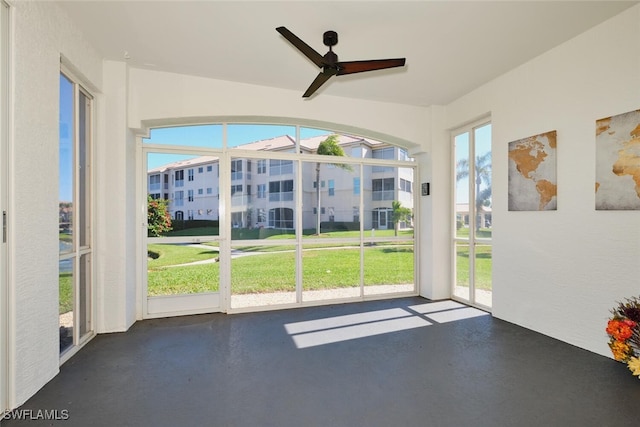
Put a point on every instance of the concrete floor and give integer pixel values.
(403, 362)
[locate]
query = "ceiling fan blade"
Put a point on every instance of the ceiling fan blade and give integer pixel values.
(319, 81)
(302, 46)
(351, 67)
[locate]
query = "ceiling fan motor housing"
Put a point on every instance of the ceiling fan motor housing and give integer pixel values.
(330, 38)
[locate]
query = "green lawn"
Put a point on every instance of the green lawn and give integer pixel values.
(275, 271)
(65, 293)
(482, 263)
(164, 255)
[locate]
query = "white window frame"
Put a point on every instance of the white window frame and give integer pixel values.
(472, 240)
(286, 165)
(80, 251)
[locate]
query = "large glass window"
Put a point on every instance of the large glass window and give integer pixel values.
(473, 220)
(301, 233)
(74, 214)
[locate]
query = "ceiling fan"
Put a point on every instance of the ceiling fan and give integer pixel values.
(329, 62)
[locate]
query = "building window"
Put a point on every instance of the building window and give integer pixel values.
(154, 182)
(209, 190)
(280, 167)
(332, 189)
(236, 189)
(200, 169)
(356, 214)
(262, 167)
(179, 178)
(383, 153)
(190, 215)
(190, 195)
(332, 214)
(190, 174)
(179, 215)
(154, 196)
(236, 170)
(281, 191)
(281, 218)
(262, 191)
(356, 186)
(209, 168)
(200, 192)
(405, 185)
(382, 189)
(178, 198)
(262, 216)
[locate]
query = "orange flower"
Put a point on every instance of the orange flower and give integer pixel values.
(621, 330)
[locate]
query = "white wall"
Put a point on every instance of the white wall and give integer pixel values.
(560, 272)
(115, 215)
(165, 96)
(41, 34)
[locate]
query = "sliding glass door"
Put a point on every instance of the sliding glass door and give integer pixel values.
(473, 220)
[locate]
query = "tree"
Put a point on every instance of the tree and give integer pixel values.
(158, 218)
(482, 176)
(399, 214)
(328, 147)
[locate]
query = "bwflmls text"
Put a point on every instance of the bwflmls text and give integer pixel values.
(36, 414)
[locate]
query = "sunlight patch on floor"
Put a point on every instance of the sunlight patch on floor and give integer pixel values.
(330, 330)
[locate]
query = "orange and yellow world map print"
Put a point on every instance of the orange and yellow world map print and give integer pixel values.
(532, 173)
(618, 162)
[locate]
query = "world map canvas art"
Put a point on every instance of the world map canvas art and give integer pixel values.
(618, 162)
(532, 173)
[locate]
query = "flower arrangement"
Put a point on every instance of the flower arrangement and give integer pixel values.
(624, 333)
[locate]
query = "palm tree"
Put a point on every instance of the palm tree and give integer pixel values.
(398, 215)
(482, 175)
(328, 147)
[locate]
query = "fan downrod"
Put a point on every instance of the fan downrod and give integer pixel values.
(330, 38)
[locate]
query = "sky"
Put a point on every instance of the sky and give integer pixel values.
(210, 136)
(482, 139)
(66, 141)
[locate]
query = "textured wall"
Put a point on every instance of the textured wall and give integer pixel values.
(42, 34)
(560, 272)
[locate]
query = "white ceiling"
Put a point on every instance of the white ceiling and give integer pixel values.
(451, 47)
